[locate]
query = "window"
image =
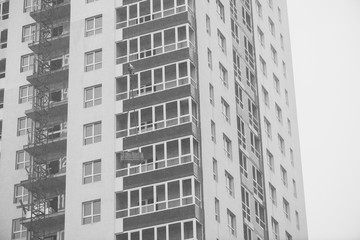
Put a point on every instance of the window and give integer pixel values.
(223, 75)
(241, 132)
(246, 18)
(2, 67)
(2, 98)
(4, 6)
(289, 126)
(247, 232)
(271, 5)
(263, 66)
(278, 113)
(3, 38)
(231, 222)
(208, 25)
(92, 171)
(294, 188)
(265, 96)
(258, 8)
(20, 193)
(31, 5)
(28, 33)
(211, 93)
(25, 93)
(270, 160)
(255, 144)
(282, 41)
(279, 14)
(235, 30)
(297, 220)
(283, 176)
(92, 133)
(276, 84)
(92, 96)
(27, 63)
(93, 26)
(272, 27)
(91, 212)
(221, 41)
(275, 228)
(259, 214)
(273, 194)
(257, 183)
(217, 210)
(281, 143)
(209, 55)
(233, 9)
(284, 68)
(220, 10)
(225, 110)
(229, 181)
(22, 159)
(286, 208)
(227, 146)
(24, 126)
(215, 169)
(239, 95)
(267, 128)
(292, 156)
(286, 97)
(213, 132)
(261, 37)
(18, 230)
(93, 60)
(249, 52)
(236, 65)
(274, 54)
(243, 164)
(245, 199)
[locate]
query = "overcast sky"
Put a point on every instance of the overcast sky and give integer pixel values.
(325, 38)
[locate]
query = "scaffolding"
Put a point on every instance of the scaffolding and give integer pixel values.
(46, 177)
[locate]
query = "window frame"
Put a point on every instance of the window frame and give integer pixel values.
(93, 176)
(27, 65)
(92, 29)
(93, 65)
(93, 216)
(93, 101)
(29, 93)
(94, 138)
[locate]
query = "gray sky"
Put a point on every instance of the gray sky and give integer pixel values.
(325, 37)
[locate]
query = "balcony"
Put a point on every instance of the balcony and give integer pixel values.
(159, 197)
(141, 12)
(156, 80)
(52, 214)
(178, 151)
(190, 229)
(46, 141)
(55, 9)
(54, 182)
(156, 43)
(57, 105)
(56, 41)
(50, 71)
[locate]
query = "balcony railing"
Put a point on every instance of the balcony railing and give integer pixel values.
(155, 51)
(151, 16)
(158, 206)
(153, 166)
(149, 89)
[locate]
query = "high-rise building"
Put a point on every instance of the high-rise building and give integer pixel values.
(152, 119)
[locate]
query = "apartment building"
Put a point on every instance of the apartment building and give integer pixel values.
(152, 119)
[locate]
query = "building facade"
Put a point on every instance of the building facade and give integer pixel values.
(152, 119)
